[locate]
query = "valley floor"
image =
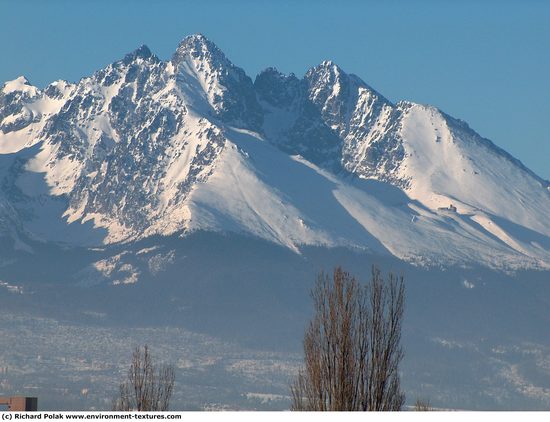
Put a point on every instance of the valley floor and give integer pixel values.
(230, 313)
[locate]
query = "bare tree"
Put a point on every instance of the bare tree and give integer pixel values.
(146, 388)
(352, 347)
(423, 405)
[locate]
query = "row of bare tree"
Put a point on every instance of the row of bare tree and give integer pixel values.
(352, 352)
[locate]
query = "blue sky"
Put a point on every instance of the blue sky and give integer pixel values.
(486, 62)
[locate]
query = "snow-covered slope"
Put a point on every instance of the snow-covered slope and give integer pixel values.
(337, 121)
(146, 147)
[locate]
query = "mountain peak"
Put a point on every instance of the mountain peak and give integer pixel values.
(198, 46)
(326, 74)
(142, 52)
(326, 67)
(20, 84)
(229, 91)
(277, 88)
(328, 64)
(198, 38)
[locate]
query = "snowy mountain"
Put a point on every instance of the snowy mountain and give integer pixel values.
(149, 147)
(183, 204)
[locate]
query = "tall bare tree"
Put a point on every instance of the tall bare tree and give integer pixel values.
(352, 347)
(146, 388)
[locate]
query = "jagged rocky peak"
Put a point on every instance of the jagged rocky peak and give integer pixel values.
(328, 80)
(342, 99)
(327, 74)
(199, 47)
(229, 91)
(59, 89)
(276, 88)
(326, 67)
(140, 57)
(200, 56)
(142, 52)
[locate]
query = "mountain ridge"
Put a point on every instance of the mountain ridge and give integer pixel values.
(146, 147)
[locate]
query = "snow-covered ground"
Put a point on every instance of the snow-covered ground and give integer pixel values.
(80, 367)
